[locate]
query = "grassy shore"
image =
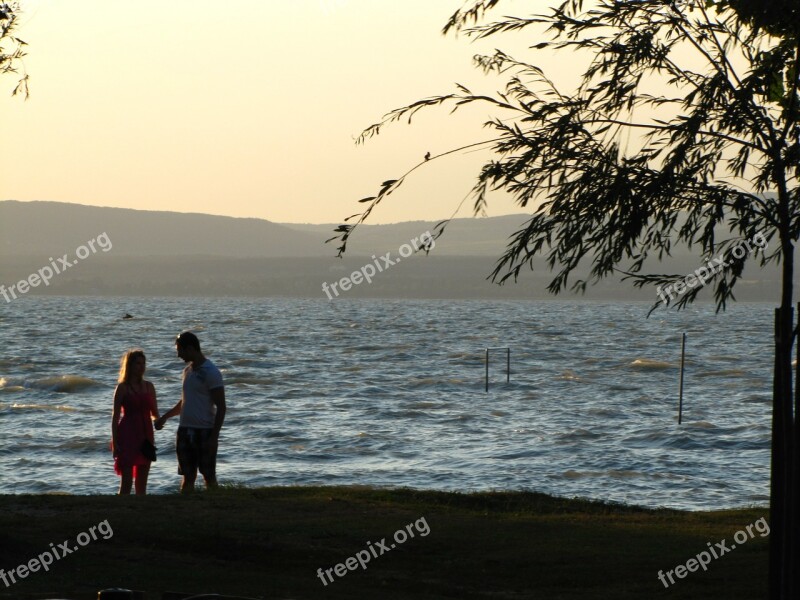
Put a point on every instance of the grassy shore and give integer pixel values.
(269, 543)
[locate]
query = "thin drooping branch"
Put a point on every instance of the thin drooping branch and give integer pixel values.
(723, 56)
(462, 16)
(760, 122)
(387, 188)
(409, 111)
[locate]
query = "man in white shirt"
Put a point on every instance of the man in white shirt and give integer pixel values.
(202, 411)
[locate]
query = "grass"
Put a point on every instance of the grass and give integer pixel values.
(269, 543)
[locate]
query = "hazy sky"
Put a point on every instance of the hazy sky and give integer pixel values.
(247, 108)
(243, 108)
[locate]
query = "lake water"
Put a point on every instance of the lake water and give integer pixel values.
(391, 393)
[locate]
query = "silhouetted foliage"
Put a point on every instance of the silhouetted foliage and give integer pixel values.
(11, 47)
(561, 152)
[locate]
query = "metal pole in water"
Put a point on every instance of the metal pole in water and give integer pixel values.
(680, 387)
(508, 365)
(487, 369)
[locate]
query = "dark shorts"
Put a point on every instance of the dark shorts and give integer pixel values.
(195, 453)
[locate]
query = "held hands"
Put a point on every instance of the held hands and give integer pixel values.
(159, 423)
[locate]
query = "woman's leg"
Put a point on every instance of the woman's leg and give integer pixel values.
(126, 480)
(142, 471)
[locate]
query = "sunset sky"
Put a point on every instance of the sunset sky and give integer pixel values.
(248, 108)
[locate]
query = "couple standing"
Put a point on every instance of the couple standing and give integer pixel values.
(201, 410)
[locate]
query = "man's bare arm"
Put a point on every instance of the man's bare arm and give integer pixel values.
(175, 410)
(218, 399)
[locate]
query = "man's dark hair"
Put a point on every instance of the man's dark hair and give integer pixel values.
(187, 338)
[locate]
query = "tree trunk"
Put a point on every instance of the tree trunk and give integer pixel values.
(783, 576)
(778, 483)
(793, 530)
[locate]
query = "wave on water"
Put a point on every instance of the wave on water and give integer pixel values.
(84, 444)
(699, 425)
(251, 362)
(624, 388)
(467, 356)
(11, 389)
(758, 399)
(617, 474)
(63, 383)
(723, 373)
(651, 365)
(43, 407)
(6, 388)
(577, 434)
(423, 404)
(422, 382)
(369, 348)
(249, 380)
(569, 376)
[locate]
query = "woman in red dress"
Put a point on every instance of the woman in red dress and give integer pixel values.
(131, 424)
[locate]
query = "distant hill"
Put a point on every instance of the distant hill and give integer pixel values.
(463, 237)
(168, 253)
(52, 228)
(47, 228)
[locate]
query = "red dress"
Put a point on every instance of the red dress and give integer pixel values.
(133, 428)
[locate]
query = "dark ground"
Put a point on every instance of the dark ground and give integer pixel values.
(269, 543)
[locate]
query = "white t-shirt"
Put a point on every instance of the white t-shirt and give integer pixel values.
(197, 410)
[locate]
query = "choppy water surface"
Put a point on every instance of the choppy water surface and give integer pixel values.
(391, 393)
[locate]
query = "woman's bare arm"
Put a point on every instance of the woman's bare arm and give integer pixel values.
(118, 393)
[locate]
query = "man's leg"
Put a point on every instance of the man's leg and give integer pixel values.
(208, 462)
(186, 449)
(187, 484)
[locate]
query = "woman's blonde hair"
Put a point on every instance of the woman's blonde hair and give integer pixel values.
(125, 363)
